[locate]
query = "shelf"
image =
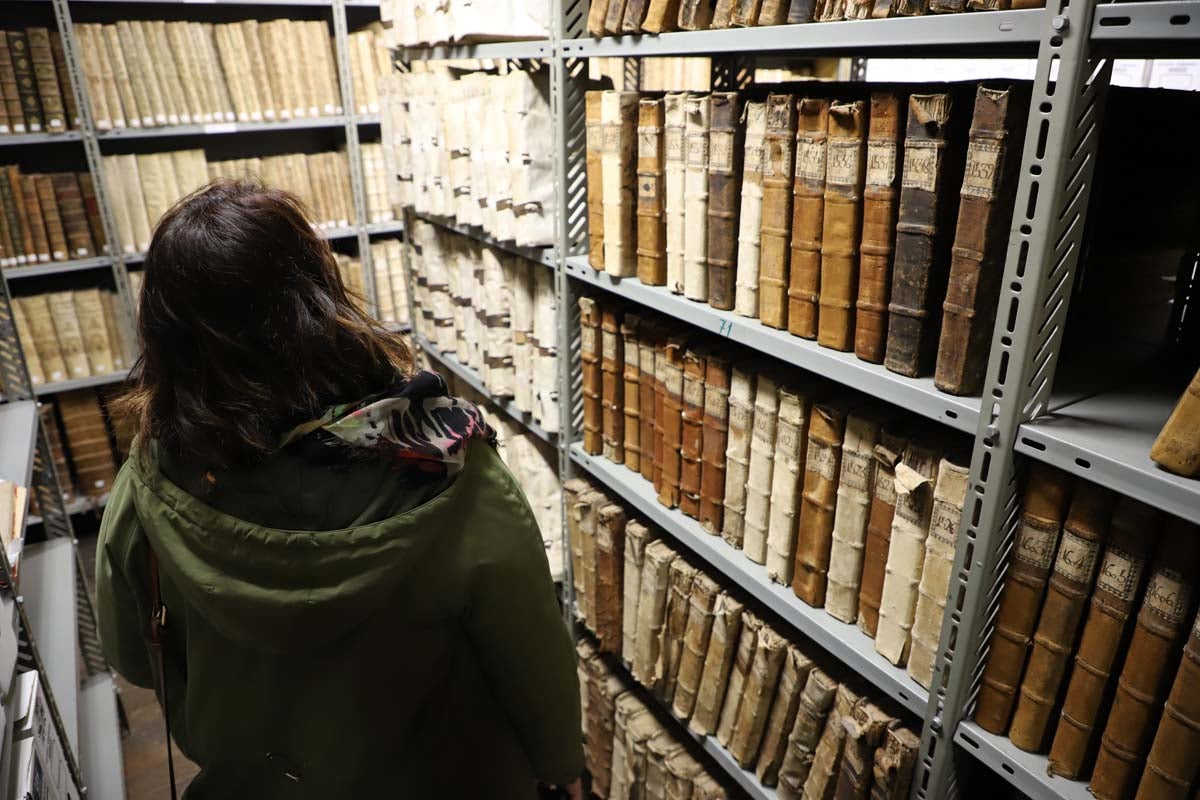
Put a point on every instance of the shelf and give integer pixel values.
(914, 394)
(55, 267)
(283, 3)
(746, 779)
(843, 641)
(81, 383)
(164, 131)
(543, 255)
(1009, 32)
(100, 754)
(381, 228)
(347, 232)
(538, 48)
(48, 595)
(80, 505)
(1106, 439)
(18, 441)
(471, 378)
(43, 137)
(1147, 28)
(1024, 771)
(372, 118)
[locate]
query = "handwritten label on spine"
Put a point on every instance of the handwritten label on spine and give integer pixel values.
(1076, 558)
(856, 469)
(1119, 573)
(716, 403)
(885, 486)
(822, 459)
(720, 151)
(739, 416)
(1167, 595)
(810, 159)
(843, 164)
(648, 142)
(1035, 543)
(921, 165)
(983, 168)
(693, 392)
(673, 142)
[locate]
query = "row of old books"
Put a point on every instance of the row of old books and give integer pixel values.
(143, 187)
(834, 220)
(391, 288)
(69, 335)
(410, 23)
(495, 312)
(148, 73)
(379, 201)
(369, 59)
(35, 88)
(477, 147)
(616, 17)
(1110, 581)
(723, 669)
(85, 444)
(852, 504)
(47, 217)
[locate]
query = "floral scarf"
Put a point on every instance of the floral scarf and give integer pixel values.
(415, 424)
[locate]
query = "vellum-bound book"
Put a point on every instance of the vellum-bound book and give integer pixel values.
(637, 538)
(695, 15)
(618, 114)
(894, 763)
(864, 732)
(572, 491)
(792, 676)
(585, 509)
(705, 592)
(779, 144)
(648, 334)
(855, 488)
(89, 310)
(787, 479)
(738, 675)
(750, 212)
(697, 116)
(70, 338)
(36, 311)
(610, 556)
(762, 468)
(626, 709)
(651, 220)
(827, 760)
(652, 609)
(816, 701)
(737, 453)
(673, 196)
(658, 751)
(718, 662)
(714, 441)
(661, 15)
(757, 694)
(597, 15)
(826, 432)
(679, 593)
(682, 772)
(808, 209)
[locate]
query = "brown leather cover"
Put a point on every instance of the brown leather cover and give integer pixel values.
(932, 161)
(816, 701)
(42, 61)
(822, 778)
(672, 422)
(679, 588)
(892, 441)
(822, 467)
(692, 431)
(1083, 538)
(610, 561)
(651, 223)
(597, 14)
(1044, 506)
(612, 365)
(1174, 757)
(745, 13)
(738, 675)
(981, 238)
(695, 15)
(795, 671)
(619, 117)
(778, 153)
(1134, 530)
(880, 209)
(594, 140)
(1177, 447)
(631, 401)
(660, 411)
(715, 437)
(661, 15)
(614, 16)
(845, 171)
(593, 381)
(725, 153)
(757, 694)
(635, 14)
(37, 222)
(894, 762)
(695, 643)
(808, 210)
(722, 14)
(585, 508)
(864, 733)
(1150, 662)
(718, 661)
(648, 335)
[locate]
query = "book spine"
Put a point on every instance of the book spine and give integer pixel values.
(697, 116)
(631, 401)
(593, 376)
(1174, 756)
(651, 222)
(750, 212)
(91, 209)
(864, 732)
(737, 453)
(773, 12)
(89, 309)
(715, 441)
(856, 484)
(129, 51)
(757, 694)
(725, 151)
(610, 559)
(9, 90)
(738, 675)
(822, 776)
(27, 90)
(826, 434)
(45, 339)
(571, 492)
(63, 81)
(637, 537)
(722, 14)
(673, 195)
(779, 143)
(695, 15)
(888, 453)
(792, 676)
(23, 222)
(614, 16)
(841, 224)
(618, 114)
(745, 13)
(115, 76)
(52, 217)
(1177, 446)
(69, 201)
(647, 335)
(70, 338)
(672, 418)
(612, 388)
(661, 16)
(762, 468)
(680, 580)
(147, 56)
(787, 478)
(597, 14)
(816, 701)
(41, 58)
(33, 363)
(696, 634)
(635, 15)
(15, 241)
(34, 219)
(694, 365)
(894, 764)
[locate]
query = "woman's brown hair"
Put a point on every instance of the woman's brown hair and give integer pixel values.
(246, 328)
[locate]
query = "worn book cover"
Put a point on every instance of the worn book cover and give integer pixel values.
(718, 663)
(715, 439)
(779, 145)
(808, 208)
(762, 467)
(697, 115)
(651, 220)
(893, 438)
(694, 368)
(856, 482)
(816, 701)
(787, 479)
(841, 224)
(826, 434)
(618, 116)
(725, 152)
(750, 211)
(673, 195)
(782, 718)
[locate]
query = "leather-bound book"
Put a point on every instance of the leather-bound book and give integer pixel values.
(116, 338)
(1043, 508)
(714, 441)
(808, 209)
(692, 431)
(37, 222)
(614, 16)
(673, 195)
(893, 438)
(626, 709)
(792, 676)
(586, 506)
(604, 688)
(792, 443)
(757, 694)
(894, 763)
(745, 13)
(8, 89)
(816, 701)
(661, 15)
(856, 485)
(773, 12)
(697, 114)
(718, 661)
(594, 143)
(1177, 446)
(618, 115)
(864, 733)
(827, 760)
(762, 468)
(660, 411)
(949, 495)
(932, 161)
(779, 145)
(1079, 551)
(737, 453)
(679, 595)
(878, 225)
(672, 423)
(651, 223)
(916, 475)
(24, 221)
(612, 386)
(41, 59)
(696, 634)
(695, 15)
(63, 76)
(652, 611)
(635, 15)
(981, 238)
(593, 375)
(89, 310)
(637, 537)
(724, 173)
(1131, 539)
(738, 675)
(722, 14)
(1174, 756)
(631, 398)
(31, 107)
(826, 433)
(841, 224)
(56, 235)
(70, 337)
(91, 207)
(36, 310)
(14, 234)
(1150, 663)
(648, 334)
(610, 560)
(572, 491)
(750, 212)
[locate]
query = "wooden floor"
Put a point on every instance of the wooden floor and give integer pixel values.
(145, 749)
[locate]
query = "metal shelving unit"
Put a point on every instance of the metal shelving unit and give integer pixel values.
(56, 267)
(210, 128)
(542, 255)
(28, 139)
(538, 48)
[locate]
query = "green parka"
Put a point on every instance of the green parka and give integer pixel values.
(333, 633)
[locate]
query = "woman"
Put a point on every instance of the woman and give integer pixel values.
(357, 597)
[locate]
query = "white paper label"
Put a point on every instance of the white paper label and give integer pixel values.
(856, 469)
(921, 165)
(697, 150)
(1035, 543)
(673, 142)
(1076, 558)
(823, 459)
(843, 163)
(587, 335)
(647, 361)
(764, 428)
(943, 525)
(1168, 595)
(754, 159)
(983, 163)
(720, 151)
(885, 487)
(810, 159)
(693, 393)
(881, 163)
(610, 138)
(1119, 573)
(609, 343)
(716, 404)
(739, 417)
(648, 139)
(788, 439)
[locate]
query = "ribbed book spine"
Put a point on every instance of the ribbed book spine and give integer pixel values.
(697, 117)
(856, 484)
(762, 468)
(808, 210)
(673, 195)
(750, 212)
(692, 431)
(779, 145)
(841, 224)
(725, 152)
(651, 221)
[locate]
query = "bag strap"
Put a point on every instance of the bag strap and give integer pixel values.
(158, 624)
